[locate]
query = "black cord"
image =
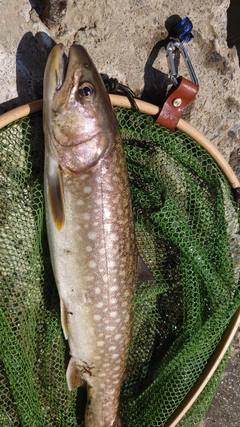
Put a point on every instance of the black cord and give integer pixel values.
(113, 86)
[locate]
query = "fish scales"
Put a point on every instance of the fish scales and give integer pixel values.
(90, 231)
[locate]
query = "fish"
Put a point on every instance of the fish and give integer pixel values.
(90, 229)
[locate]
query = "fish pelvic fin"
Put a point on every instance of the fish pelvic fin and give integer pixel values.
(73, 376)
(55, 193)
(64, 321)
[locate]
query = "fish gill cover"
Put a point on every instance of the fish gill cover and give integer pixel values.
(187, 229)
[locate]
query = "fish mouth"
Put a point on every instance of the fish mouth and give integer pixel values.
(72, 76)
(61, 65)
(77, 61)
(60, 68)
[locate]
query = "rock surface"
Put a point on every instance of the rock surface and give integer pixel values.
(126, 40)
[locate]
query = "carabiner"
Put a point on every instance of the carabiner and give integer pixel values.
(171, 47)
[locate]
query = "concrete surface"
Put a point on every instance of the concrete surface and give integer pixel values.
(126, 40)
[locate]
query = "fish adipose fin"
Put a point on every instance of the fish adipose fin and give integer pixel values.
(64, 318)
(55, 193)
(73, 375)
(144, 274)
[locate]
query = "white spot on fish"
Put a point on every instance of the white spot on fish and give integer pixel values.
(89, 278)
(110, 328)
(107, 214)
(112, 347)
(102, 374)
(102, 251)
(86, 216)
(99, 304)
(108, 227)
(80, 202)
(87, 189)
(105, 278)
(102, 385)
(97, 357)
(114, 355)
(118, 336)
(97, 291)
(106, 365)
(97, 317)
(92, 235)
(89, 248)
(114, 237)
(111, 264)
(127, 316)
(83, 177)
(77, 228)
(124, 304)
(116, 368)
(114, 288)
(113, 300)
(100, 343)
(113, 313)
(109, 187)
(92, 264)
(116, 200)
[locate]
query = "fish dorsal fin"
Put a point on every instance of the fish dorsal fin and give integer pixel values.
(64, 321)
(73, 375)
(55, 193)
(144, 274)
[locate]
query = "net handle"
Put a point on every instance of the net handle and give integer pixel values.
(150, 109)
(144, 107)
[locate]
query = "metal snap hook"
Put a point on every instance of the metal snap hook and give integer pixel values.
(171, 47)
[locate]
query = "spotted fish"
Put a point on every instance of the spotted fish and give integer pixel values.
(90, 229)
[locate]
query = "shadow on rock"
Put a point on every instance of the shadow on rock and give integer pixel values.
(156, 82)
(32, 54)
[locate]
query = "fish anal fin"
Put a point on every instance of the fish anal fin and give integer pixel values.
(118, 422)
(144, 274)
(64, 318)
(73, 375)
(55, 193)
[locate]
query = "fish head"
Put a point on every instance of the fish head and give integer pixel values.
(79, 122)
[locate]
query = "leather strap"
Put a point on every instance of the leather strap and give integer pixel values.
(178, 98)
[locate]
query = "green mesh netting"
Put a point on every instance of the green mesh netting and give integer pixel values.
(187, 231)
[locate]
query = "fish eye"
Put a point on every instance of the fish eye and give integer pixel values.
(86, 90)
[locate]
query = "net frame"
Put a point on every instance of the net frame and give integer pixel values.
(230, 331)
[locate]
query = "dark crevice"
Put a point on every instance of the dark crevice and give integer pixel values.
(233, 27)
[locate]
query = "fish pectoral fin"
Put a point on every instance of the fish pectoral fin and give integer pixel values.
(73, 376)
(64, 321)
(144, 274)
(55, 193)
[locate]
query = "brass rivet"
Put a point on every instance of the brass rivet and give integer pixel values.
(177, 102)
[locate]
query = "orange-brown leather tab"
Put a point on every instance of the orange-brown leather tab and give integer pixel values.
(177, 100)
